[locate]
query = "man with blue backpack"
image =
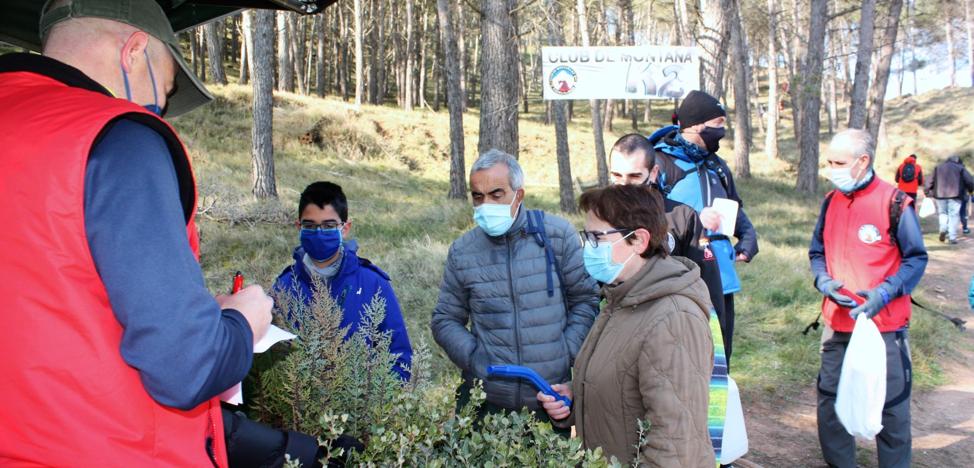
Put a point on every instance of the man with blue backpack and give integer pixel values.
(515, 291)
(691, 173)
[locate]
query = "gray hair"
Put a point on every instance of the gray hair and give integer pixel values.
(494, 157)
(855, 142)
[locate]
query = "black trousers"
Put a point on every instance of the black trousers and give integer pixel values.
(727, 327)
(894, 442)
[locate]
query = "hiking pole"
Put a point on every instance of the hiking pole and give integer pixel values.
(956, 321)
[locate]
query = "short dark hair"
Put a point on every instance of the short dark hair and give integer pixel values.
(635, 143)
(631, 207)
(324, 193)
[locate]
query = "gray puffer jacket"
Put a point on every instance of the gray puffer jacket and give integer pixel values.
(499, 286)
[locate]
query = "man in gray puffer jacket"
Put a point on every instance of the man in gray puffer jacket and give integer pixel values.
(522, 309)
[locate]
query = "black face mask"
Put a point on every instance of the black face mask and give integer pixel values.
(711, 137)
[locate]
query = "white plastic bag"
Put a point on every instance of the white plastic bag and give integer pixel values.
(927, 208)
(734, 444)
(862, 385)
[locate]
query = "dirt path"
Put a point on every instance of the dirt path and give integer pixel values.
(782, 432)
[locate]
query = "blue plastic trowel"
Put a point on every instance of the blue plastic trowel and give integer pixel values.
(530, 375)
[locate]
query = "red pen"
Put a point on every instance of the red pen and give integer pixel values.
(237, 283)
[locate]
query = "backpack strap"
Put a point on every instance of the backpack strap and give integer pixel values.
(536, 229)
(666, 186)
(896, 206)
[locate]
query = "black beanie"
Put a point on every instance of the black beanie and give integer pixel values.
(697, 108)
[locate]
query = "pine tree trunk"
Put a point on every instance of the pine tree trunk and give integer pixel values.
(246, 46)
(379, 60)
(601, 165)
(319, 33)
(969, 24)
(194, 52)
(421, 89)
(296, 32)
(714, 43)
(436, 73)
(857, 117)
(742, 111)
(214, 50)
(454, 99)
(359, 59)
(234, 51)
(566, 189)
(771, 135)
(410, 43)
(498, 72)
(877, 92)
(951, 50)
(285, 69)
(609, 114)
(811, 94)
(262, 149)
(464, 63)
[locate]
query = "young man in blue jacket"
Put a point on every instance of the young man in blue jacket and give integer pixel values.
(326, 255)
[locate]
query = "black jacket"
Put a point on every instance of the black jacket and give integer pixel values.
(684, 226)
(950, 180)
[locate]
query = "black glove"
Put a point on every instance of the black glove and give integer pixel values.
(349, 444)
(830, 288)
(876, 299)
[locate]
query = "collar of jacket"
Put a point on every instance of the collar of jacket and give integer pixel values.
(660, 276)
(675, 145)
(33, 63)
(517, 229)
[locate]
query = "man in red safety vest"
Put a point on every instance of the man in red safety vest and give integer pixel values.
(115, 350)
(867, 243)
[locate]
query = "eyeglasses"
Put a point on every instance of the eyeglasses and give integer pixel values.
(593, 237)
(324, 225)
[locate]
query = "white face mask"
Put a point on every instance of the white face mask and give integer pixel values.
(842, 178)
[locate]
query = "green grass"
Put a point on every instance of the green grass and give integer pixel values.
(394, 168)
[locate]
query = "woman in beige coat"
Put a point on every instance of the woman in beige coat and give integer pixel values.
(649, 354)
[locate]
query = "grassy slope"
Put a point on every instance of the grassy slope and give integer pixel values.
(394, 167)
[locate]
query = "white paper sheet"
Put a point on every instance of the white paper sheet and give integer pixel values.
(274, 335)
(728, 215)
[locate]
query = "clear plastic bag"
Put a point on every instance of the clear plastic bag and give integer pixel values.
(862, 385)
(735, 434)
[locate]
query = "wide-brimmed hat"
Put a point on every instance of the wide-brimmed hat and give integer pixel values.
(146, 15)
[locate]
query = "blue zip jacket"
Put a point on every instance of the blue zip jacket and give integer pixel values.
(694, 176)
(353, 288)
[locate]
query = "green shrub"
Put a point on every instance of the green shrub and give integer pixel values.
(319, 385)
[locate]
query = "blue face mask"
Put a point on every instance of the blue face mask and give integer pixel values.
(598, 261)
(321, 244)
(154, 107)
(493, 218)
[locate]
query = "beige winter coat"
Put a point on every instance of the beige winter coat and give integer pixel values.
(649, 357)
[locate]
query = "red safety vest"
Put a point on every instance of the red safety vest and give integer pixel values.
(66, 396)
(860, 253)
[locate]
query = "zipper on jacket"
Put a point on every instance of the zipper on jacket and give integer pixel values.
(517, 331)
(210, 442)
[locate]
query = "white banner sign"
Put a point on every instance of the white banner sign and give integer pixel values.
(642, 72)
